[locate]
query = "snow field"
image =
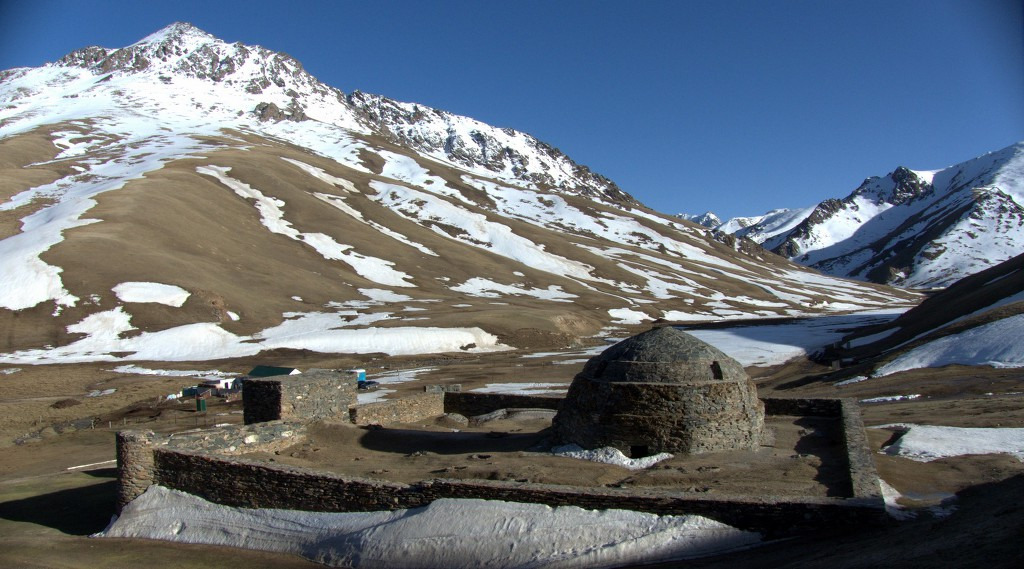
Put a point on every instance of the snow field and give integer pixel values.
(776, 344)
(524, 388)
(321, 332)
(925, 443)
(447, 533)
(995, 344)
(272, 216)
(475, 229)
(486, 288)
(170, 295)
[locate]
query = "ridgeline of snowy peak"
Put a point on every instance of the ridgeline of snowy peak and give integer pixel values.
(707, 219)
(909, 228)
(183, 51)
(188, 199)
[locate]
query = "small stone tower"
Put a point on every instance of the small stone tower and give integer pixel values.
(662, 391)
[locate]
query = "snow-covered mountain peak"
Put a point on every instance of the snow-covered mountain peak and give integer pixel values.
(707, 219)
(911, 227)
(180, 34)
(181, 50)
(216, 84)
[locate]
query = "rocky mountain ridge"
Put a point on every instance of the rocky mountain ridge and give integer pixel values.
(182, 50)
(908, 228)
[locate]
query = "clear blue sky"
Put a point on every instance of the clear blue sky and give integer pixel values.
(733, 106)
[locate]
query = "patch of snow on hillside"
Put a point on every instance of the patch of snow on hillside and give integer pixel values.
(610, 455)
(627, 316)
(323, 139)
(26, 280)
(321, 175)
(207, 341)
(170, 295)
(995, 344)
(381, 295)
(406, 169)
(681, 316)
(406, 340)
(474, 229)
(103, 330)
(486, 288)
(339, 203)
(762, 228)
(891, 398)
(272, 216)
(447, 533)
(136, 370)
(925, 443)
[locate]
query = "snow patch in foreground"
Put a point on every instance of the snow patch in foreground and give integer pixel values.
(925, 443)
(610, 455)
(447, 533)
(891, 497)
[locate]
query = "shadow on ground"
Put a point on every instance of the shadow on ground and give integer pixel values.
(823, 438)
(75, 511)
(406, 441)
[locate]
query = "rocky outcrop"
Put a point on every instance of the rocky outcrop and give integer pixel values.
(464, 141)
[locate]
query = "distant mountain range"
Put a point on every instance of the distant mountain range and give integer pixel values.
(217, 195)
(908, 228)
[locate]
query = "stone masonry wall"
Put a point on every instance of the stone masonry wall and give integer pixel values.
(859, 455)
(135, 449)
(251, 484)
(405, 410)
(472, 404)
(309, 396)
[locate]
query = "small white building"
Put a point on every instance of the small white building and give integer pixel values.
(224, 383)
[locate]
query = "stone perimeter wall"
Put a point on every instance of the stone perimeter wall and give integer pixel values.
(251, 484)
(405, 410)
(136, 449)
(472, 404)
(198, 463)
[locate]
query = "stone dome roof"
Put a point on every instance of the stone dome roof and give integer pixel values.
(663, 355)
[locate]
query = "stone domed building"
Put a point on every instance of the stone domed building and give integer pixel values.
(662, 391)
